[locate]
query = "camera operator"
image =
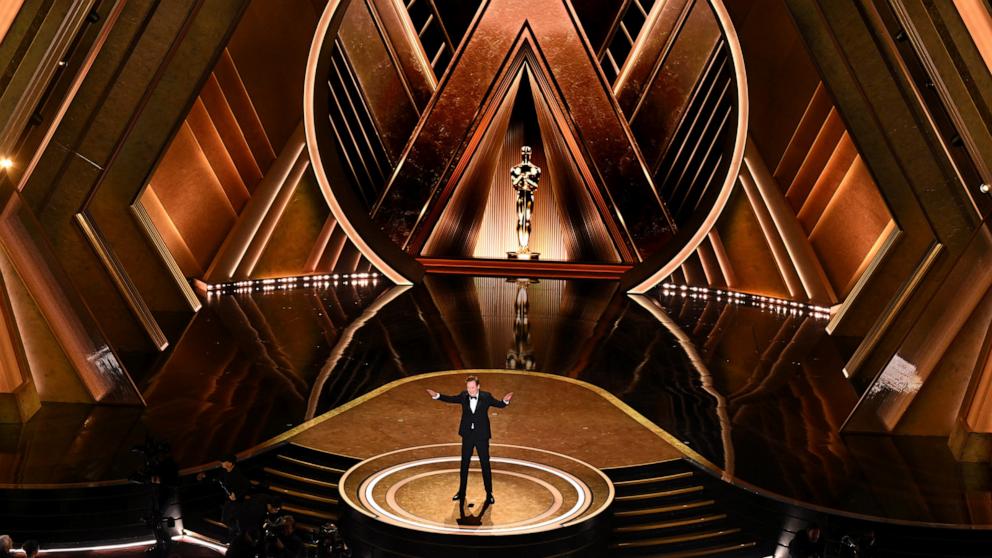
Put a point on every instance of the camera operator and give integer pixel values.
(160, 472)
(282, 540)
(257, 510)
(330, 543)
(235, 486)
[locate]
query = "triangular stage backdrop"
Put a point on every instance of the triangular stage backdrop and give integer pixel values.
(479, 220)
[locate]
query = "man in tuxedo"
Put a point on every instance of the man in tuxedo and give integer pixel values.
(474, 430)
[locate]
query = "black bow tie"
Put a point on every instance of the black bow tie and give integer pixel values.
(473, 397)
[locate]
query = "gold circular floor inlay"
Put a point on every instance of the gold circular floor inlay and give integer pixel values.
(535, 490)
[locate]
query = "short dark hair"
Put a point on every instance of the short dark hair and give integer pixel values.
(230, 458)
(473, 378)
(30, 547)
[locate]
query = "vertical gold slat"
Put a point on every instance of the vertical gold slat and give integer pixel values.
(123, 282)
(146, 225)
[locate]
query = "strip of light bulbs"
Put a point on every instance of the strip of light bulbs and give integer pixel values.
(778, 305)
(273, 283)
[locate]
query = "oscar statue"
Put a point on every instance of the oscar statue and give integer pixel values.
(524, 177)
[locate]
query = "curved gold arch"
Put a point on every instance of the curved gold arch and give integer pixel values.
(403, 269)
(737, 158)
(330, 22)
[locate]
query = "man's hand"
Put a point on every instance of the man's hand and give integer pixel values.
(507, 397)
(232, 496)
(432, 393)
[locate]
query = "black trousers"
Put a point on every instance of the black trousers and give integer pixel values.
(480, 445)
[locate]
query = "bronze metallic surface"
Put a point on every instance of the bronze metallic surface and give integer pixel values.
(860, 63)
(776, 379)
(595, 431)
(51, 370)
(488, 48)
(545, 490)
(660, 31)
(30, 61)
(268, 50)
(232, 132)
(750, 257)
(115, 267)
(384, 81)
(84, 343)
(289, 245)
(202, 216)
(422, 185)
(859, 216)
(653, 120)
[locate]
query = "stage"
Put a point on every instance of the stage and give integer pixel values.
(548, 448)
(551, 413)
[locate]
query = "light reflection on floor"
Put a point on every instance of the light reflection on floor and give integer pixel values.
(758, 392)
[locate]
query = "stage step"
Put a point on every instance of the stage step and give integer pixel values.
(306, 481)
(650, 480)
(272, 472)
(313, 466)
(660, 494)
(664, 509)
(663, 525)
(675, 508)
(739, 549)
(676, 539)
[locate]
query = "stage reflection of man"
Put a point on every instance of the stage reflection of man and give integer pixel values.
(475, 431)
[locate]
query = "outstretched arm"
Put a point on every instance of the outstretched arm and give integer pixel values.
(442, 397)
(503, 402)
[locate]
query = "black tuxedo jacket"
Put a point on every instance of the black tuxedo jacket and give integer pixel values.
(480, 418)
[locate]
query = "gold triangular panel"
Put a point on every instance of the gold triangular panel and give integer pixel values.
(478, 221)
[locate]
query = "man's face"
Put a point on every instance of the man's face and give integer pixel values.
(472, 388)
(227, 465)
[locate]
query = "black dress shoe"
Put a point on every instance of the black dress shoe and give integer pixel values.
(490, 500)
(457, 497)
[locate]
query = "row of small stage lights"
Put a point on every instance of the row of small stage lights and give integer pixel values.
(777, 305)
(282, 283)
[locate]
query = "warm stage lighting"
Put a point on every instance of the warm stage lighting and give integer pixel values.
(6, 163)
(771, 304)
(283, 283)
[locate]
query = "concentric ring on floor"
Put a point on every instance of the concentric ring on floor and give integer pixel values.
(535, 491)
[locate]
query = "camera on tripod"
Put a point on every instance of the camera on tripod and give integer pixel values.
(156, 459)
(330, 543)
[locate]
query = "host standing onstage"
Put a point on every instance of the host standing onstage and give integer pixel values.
(474, 430)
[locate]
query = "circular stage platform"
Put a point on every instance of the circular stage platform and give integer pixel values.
(401, 500)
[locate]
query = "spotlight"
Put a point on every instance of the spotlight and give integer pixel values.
(6, 163)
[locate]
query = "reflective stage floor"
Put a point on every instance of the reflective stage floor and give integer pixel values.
(757, 392)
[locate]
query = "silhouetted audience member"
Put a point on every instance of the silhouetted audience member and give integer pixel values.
(283, 541)
(330, 542)
(257, 509)
(807, 543)
(6, 546)
(242, 546)
(235, 485)
(31, 548)
(866, 545)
